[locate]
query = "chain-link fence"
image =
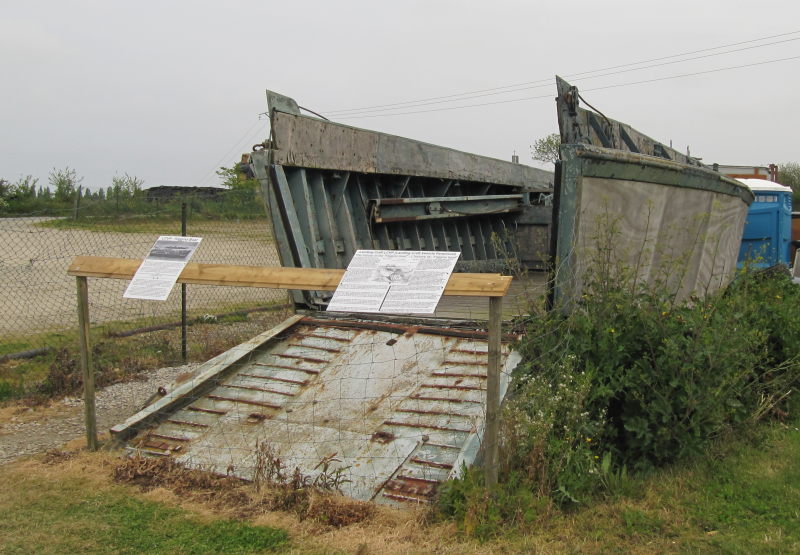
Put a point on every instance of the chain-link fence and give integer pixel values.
(39, 299)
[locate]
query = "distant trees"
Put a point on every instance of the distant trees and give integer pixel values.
(245, 189)
(65, 191)
(789, 175)
(65, 183)
(236, 178)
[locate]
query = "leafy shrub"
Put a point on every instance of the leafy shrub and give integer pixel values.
(663, 379)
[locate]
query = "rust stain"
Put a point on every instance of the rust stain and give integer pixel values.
(457, 387)
(320, 336)
(209, 411)
(382, 436)
(412, 487)
(244, 401)
(255, 417)
(444, 446)
(298, 357)
(432, 464)
(187, 423)
(170, 438)
(427, 426)
(274, 378)
(283, 366)
(432, 412)
(457, 375)
(467, 362)
(445, 399)
(305, 346)
(404, 498)
(255, 388)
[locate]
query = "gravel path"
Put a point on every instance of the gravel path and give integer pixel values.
(32, 431)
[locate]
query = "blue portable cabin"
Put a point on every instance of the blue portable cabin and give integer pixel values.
(768, 229)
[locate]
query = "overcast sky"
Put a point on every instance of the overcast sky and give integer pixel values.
(169, 91)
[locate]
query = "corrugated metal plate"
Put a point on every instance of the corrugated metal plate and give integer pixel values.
(398, 408)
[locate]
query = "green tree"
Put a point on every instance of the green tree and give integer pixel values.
(64, 182)
(126, 186)
(789, 175)
(236, 179)
(546, 148)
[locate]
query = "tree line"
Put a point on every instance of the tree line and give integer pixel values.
(65, 194)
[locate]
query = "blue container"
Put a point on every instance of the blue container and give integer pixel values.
(768, 229)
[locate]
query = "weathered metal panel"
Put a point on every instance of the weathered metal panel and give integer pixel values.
(657, 215)
(398, 408)
(334, 189)
(671, 224)
(580, 126)
(302, 141)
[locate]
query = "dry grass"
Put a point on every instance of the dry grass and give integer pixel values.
(327, 523)
(705, 505)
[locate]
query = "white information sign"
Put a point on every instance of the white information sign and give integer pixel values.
(398, 282)
(160, 270)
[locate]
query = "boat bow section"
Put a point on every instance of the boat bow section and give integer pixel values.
(628, 205)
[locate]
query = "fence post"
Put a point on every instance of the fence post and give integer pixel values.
(86, 363)
(77, 202)
(184, 331)
(492, 431)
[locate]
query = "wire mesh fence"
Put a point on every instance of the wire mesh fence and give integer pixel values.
(39, 299)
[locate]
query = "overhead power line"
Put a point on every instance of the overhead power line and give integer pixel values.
(585, 90)
(547, 81)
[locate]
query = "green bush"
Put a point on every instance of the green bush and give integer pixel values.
(664, 379)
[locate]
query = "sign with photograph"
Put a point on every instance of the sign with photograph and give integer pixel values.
(160, 270)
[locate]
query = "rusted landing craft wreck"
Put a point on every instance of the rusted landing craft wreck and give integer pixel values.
(396, 407)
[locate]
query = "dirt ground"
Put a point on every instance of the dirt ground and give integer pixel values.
(37, 295)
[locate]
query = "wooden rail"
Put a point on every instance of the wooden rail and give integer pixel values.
(311, 279)
(494, 286)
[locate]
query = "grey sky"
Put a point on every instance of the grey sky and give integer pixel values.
(168, 91)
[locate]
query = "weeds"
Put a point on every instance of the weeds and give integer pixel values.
(284, 491)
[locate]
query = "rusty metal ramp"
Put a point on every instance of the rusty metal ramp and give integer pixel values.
(392, 410)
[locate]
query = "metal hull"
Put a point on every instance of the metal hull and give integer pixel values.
(631, 209)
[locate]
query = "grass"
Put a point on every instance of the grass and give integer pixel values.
(72, 515)
(163, 223)
(742, 496)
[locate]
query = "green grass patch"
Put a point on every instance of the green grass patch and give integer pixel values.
(255, 227)
(68, 518)
(749, 500)
(123, 224)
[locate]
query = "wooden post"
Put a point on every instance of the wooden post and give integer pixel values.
(492, 431)
(86, 363)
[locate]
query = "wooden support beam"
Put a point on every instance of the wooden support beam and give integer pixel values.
(86, 363)
(314, 279)
(492, 429)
